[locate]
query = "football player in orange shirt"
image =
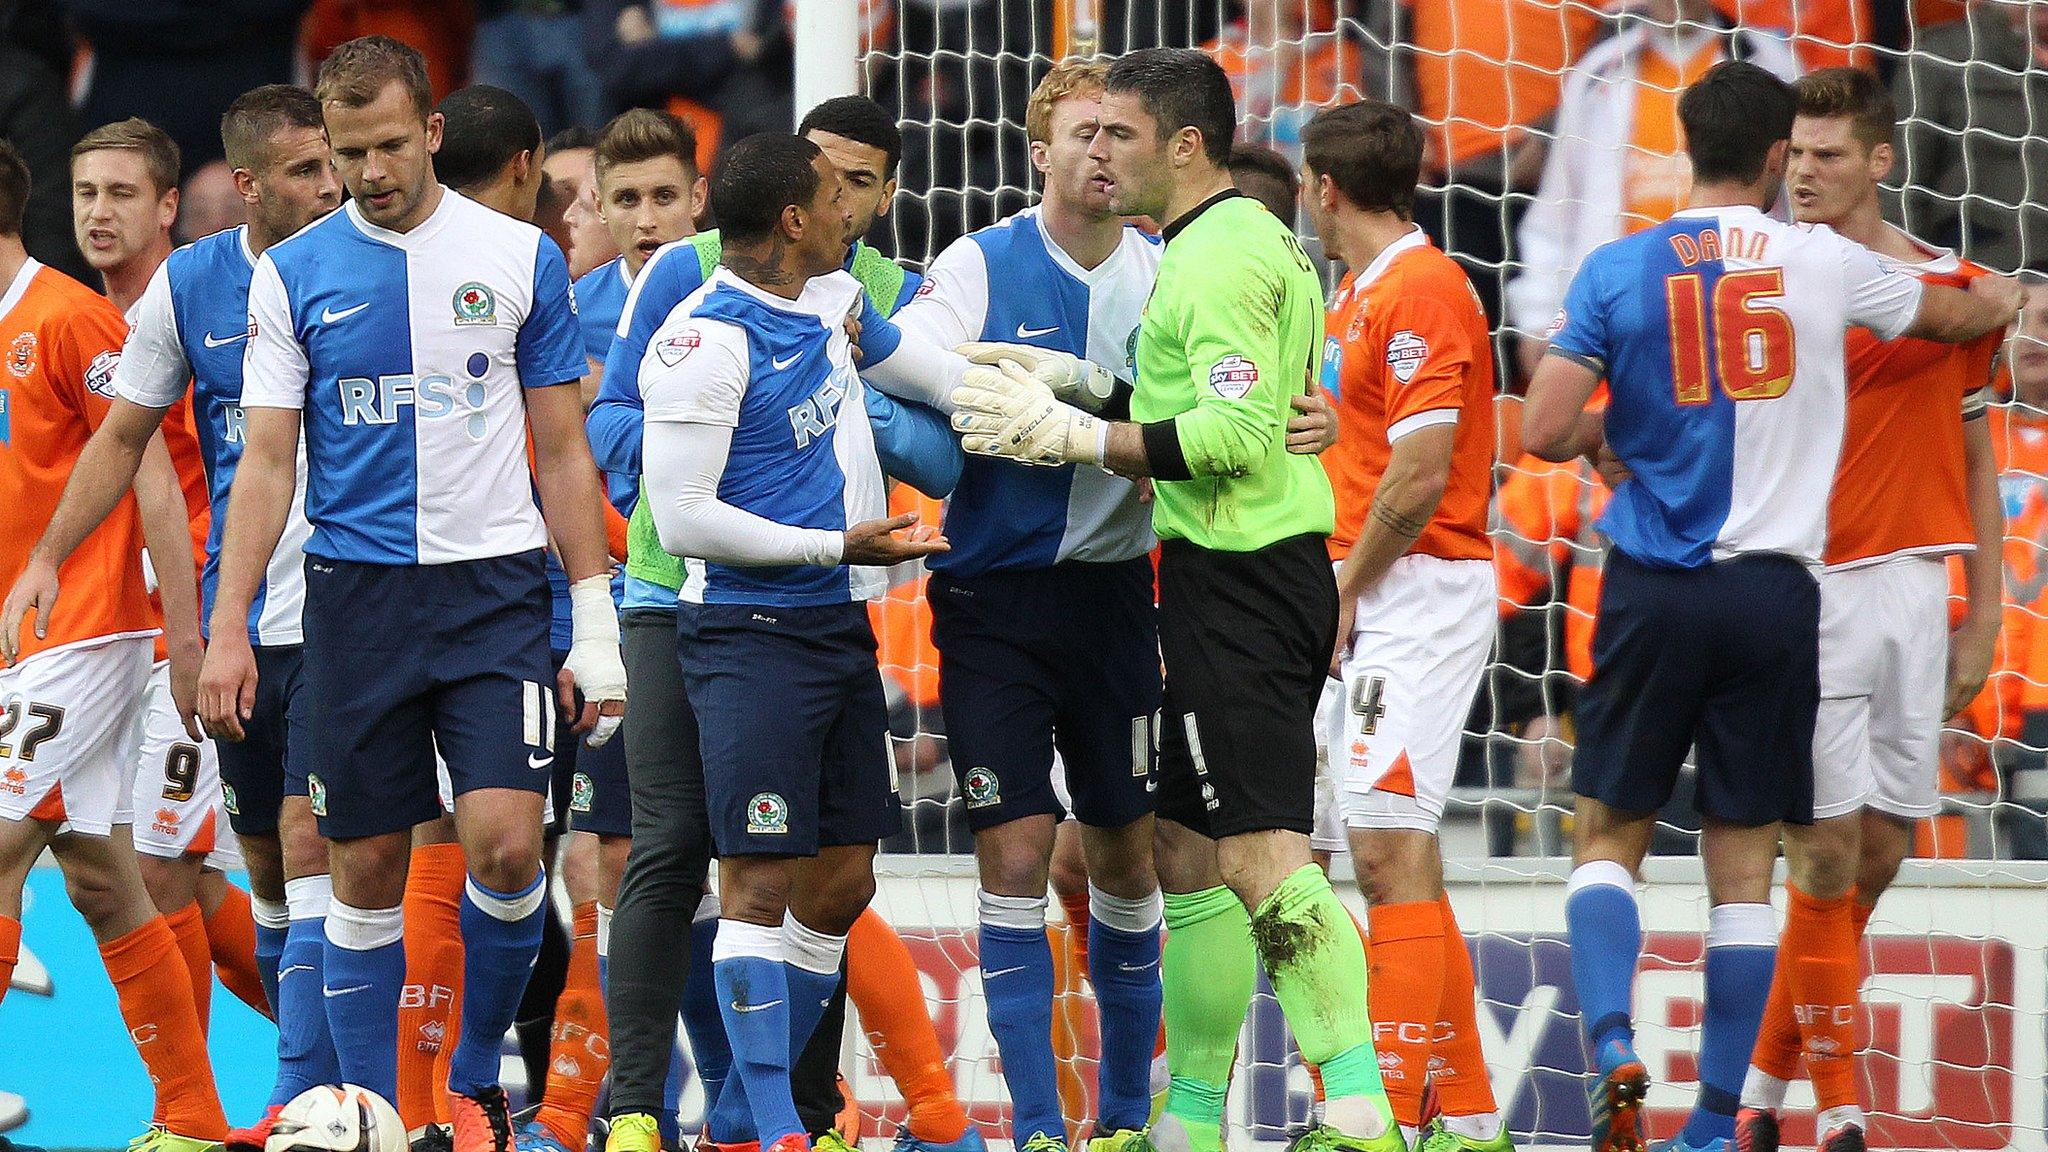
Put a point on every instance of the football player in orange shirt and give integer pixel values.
(71, 679)
(1917, 483)
(1410, 362)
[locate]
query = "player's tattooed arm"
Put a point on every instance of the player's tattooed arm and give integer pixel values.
(1398, 522)
(1418, 472)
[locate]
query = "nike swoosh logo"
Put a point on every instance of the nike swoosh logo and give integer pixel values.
(214, 342)
(1024, 333)
(538, 762)
(783, 364)
(1001, 972)
(330, 316)
(331, 993)
(739, 1007)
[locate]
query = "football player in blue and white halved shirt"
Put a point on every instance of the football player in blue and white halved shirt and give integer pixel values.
(417, 336)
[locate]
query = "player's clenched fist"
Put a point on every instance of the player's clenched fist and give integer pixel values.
(1082, 383)
(874, 542)
(594, 654)
(1004, 411)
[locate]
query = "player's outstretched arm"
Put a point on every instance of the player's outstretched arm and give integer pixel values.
(1555, 423)
(1958, 316)
(167, 533)
(572, 502)
(258, 506)
(105, 470)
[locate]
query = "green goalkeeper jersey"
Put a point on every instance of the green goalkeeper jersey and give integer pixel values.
(1233, 329)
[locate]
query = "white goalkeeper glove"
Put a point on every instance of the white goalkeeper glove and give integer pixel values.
(1082, 383)
(594, 652)
(1005, 412)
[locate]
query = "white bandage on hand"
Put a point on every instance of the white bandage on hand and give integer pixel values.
(1005, 412)
(594, 651)
(1082, 383)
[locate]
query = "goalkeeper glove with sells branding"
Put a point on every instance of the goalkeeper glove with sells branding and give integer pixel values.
(1006, 412)
(594, 651)
(1082, 383)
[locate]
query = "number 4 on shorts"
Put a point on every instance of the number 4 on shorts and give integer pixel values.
(1365, 702)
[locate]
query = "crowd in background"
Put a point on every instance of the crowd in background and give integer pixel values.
(1552, 129)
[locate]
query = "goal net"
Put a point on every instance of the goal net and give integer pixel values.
(1529, 165)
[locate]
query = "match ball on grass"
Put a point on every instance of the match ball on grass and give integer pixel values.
(337, 1118)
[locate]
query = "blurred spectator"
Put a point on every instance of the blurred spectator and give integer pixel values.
(178, 64)
(1617, 164)
(534, 48)
(2014, 703)
(1824, 33)
(1487, 76)
(1976, 139)
(1286, 60)
(37, 120)
(208, 203)
(569, 205)
(729, 59)
(491, 149)
(38, 28)
(439, 29)
(1268, 177)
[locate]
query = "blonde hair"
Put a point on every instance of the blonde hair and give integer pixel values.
(160, 155)
(1070, 77)
(359, 70)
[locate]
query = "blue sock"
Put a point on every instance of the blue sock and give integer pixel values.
(754, 998)
(272, 923)
(363, 972)
(1742, 949)
(305, 1049)
(500, 937)
(708, 1045)
(1124, 968)
(1606, 934)
(1016, 976)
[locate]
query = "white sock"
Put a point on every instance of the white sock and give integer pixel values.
(1760, 1089)
(1355, 1116)
(1847, 1116)
(1477, 1126)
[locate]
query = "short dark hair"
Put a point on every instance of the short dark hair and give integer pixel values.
(260, 113)
(639, 134)
(861, 120)
(1732, 116)
(1281, 190)
(571, 138)
(359, 70)
(759, 177)
(14, 185)
(158, 151)
(1849, 94)
(483, 128)
(1372, 152)
(1180, 88)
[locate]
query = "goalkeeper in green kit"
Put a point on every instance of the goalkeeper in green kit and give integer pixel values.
(1247, 600)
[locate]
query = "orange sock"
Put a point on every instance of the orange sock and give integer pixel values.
(189, 926)
(1403, 993)
(882, 982)
(10, 951)
(1818, 956)
(579, 1050)
(231, 936)
(1076, 906)
(1458, 1062)
(429, 1005)
(156, 1003)
(1777, 1037)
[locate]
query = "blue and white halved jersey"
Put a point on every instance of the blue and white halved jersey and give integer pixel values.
(190, 330)
(1009, 282)
(780, 374)
(1720, 333)
(408, 352)
(600, 301)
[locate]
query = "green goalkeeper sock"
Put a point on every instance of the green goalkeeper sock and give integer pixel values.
(1207, 972)
(1316, 962)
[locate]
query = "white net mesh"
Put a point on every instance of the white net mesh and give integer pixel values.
(1552, 129)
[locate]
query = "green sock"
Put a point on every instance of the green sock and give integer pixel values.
(1207, 971)
(1316, 962)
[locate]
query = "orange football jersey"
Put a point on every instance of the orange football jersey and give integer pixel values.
(1547, 514)
(61, 341)
(1899, 489)
(1407, 347)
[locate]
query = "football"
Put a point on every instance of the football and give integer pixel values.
(337, 1118)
